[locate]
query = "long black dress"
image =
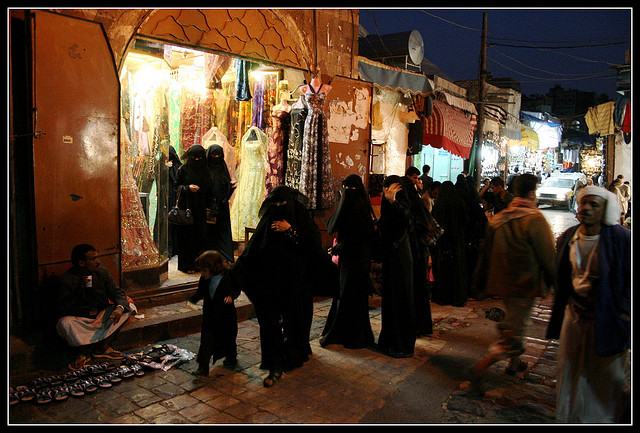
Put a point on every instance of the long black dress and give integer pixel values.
(274, 269)
(417, 230)
(173, 185)
(219, 321)
(398, 335)
(191, 238)
(219, 233)
(450, 253)
(348, 320)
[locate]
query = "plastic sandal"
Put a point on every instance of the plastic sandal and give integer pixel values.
(55, 381)
(102, 382)
(137, 370)
(41, 382)
(95, 370)
(75, 389)
(44, 396)
(126, 372)
(87, 386)
(78, 363)
(114, 377)
(13, 397)
(26, 395)
(60, 393)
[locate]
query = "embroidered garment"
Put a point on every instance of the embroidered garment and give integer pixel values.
(315, 170)
(294, 148)
(277, 148)
(251, 176)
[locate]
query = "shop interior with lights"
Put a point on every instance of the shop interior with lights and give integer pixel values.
(175, 96)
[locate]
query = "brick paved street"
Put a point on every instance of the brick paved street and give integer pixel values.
(336, 386)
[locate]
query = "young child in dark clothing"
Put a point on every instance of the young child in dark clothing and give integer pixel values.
(219, 318)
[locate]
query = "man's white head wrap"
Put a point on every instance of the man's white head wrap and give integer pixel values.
(612, 207)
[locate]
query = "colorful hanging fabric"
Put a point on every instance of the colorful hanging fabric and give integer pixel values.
(599, 119)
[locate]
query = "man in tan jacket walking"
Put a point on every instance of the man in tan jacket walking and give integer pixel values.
(517, 263)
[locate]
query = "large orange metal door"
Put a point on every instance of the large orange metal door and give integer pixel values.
(76, 176)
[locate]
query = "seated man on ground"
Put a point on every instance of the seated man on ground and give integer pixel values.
(92, 307)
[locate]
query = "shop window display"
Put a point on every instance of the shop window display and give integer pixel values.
(179, 97)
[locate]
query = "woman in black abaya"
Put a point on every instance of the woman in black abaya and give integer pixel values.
(274, 269)
(174, 164)
(418, 229)
(397, 336)
(449, 256)
(348, 320)
(194, 192)
(219, 221)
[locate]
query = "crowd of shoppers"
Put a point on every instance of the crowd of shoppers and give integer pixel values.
(494, 243)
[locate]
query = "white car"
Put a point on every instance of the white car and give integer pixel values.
(559, 189)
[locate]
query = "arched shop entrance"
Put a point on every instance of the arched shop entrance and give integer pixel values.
(181, 81)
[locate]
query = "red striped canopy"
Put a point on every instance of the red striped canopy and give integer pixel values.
(450, 128)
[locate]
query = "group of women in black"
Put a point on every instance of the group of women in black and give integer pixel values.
(203, 185)
(284, 264)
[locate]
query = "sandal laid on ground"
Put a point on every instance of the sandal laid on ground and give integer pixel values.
(137, 370)
(44, 396)
(26, 394)
(102, 382)
(60, 393)
(88, 386)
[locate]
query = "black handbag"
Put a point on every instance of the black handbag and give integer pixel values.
(178, 216)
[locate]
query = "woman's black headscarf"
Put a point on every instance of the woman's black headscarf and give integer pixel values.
(216, 163)
(220, 178)
(195, 170)
(352, 194)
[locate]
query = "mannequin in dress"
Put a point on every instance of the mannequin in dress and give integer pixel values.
(316, 86)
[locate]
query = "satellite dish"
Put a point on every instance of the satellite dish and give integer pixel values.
(416, 47)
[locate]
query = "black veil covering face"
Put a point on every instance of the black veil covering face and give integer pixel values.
(352, 193)
(277, 270)
(348, 320)
(219, 234)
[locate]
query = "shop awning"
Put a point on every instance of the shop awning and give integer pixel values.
(393, 78)
(529, 138)
(450, 129)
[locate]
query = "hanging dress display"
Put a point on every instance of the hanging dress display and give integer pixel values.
(251, 174)
(315, 170)
(138, 248)
(294, 146)
(277, 148)
(243, 92)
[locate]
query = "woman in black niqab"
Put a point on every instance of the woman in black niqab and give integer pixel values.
(449, 256)
(219, 220)
(175, 164)
(348, 320)
(194, 192)
(274, 269)
(397, 335)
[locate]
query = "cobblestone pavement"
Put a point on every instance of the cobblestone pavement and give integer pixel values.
(337, 385)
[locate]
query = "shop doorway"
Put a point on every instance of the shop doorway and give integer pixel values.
(174, 97)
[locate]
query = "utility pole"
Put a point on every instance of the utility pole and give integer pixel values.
(482, 79)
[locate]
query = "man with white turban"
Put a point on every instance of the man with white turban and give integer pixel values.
(592, 312)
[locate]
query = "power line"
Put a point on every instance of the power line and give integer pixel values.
(523, 40)
(537, 69)
(595, 75)
(554, 48)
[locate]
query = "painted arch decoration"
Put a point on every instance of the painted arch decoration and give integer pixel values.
(258, 34)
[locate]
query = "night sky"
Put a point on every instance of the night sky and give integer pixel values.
(452, 42)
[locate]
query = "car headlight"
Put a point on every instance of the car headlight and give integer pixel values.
(561, 196)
